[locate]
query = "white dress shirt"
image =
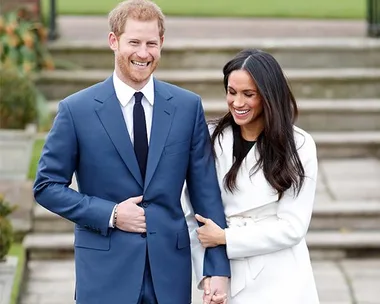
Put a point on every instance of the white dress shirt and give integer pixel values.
(125, 95)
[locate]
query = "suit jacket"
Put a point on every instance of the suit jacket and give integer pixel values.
(89, 137)
(265, 236)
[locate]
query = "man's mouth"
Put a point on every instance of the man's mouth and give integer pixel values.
(140, 64)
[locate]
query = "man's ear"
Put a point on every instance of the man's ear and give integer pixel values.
(113, 42)
(162, 38)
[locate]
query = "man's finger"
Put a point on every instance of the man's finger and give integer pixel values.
(135, 199)
(206, 299)
(140, 211)
(206, 286)
(142, 219)
(141, 225)
(201, 219)
(220, 298)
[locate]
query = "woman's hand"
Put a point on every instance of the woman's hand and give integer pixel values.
(210, 234)
(217, 297)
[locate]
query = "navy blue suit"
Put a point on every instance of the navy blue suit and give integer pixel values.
(89, 138)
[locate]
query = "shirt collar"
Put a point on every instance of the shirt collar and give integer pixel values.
(125, 93)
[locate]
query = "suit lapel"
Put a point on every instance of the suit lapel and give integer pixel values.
(163, 113)
(111, 117)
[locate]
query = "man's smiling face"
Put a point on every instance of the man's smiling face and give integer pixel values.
(137, 52)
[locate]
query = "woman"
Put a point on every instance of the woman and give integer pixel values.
(267, 171)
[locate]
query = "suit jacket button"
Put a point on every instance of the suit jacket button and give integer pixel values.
(145, 204)
(143, 235)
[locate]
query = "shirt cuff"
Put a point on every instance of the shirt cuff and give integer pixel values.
(110, 224)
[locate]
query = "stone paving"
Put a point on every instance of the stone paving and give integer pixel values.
(90, 28)
(352, 179)
(7, 273)
(348, 180)
(343, 282)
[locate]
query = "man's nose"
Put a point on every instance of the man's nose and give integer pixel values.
(143, 52)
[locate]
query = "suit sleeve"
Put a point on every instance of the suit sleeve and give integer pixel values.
(56, 166)
(293, 216)
(204, 192)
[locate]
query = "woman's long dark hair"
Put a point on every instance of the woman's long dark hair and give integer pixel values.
(276, 146)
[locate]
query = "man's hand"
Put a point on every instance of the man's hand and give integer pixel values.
(215, 290)
(210, 234)
(130, 217)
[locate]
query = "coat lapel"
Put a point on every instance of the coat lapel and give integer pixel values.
(163, 113)
(112, 119)
(251, 188)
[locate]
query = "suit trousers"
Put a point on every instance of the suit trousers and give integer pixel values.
(147, 295)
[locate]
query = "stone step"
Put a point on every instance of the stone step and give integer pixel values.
(42, 246)
(322, 245)
(306, 83)
(347, 144)
(323, 114)
(343, 216)
(346, 216)
(207, 53)
(45, 221)
(314, 114)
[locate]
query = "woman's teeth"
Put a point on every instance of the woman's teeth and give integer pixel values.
(241, 112)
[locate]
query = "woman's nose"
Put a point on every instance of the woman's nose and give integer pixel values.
(238, 101)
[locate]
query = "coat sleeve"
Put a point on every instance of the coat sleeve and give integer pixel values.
(293, 216)
(197, 251)
(56, 166)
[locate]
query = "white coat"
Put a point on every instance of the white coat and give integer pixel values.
(265, 238)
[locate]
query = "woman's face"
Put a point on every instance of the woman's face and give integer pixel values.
(244, 100)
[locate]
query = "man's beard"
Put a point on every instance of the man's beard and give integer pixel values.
(129, 74)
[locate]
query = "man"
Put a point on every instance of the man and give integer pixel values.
(132, 140)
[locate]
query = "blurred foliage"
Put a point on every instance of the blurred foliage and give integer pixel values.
(18, 99)
(23, 43)
(23, 53)
(6, 230)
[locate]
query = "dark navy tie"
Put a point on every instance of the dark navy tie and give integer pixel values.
(139, 134)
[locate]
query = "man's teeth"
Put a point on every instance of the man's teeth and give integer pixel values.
(140, 63)
(241, 112)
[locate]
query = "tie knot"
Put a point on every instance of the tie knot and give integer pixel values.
(138, 97)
